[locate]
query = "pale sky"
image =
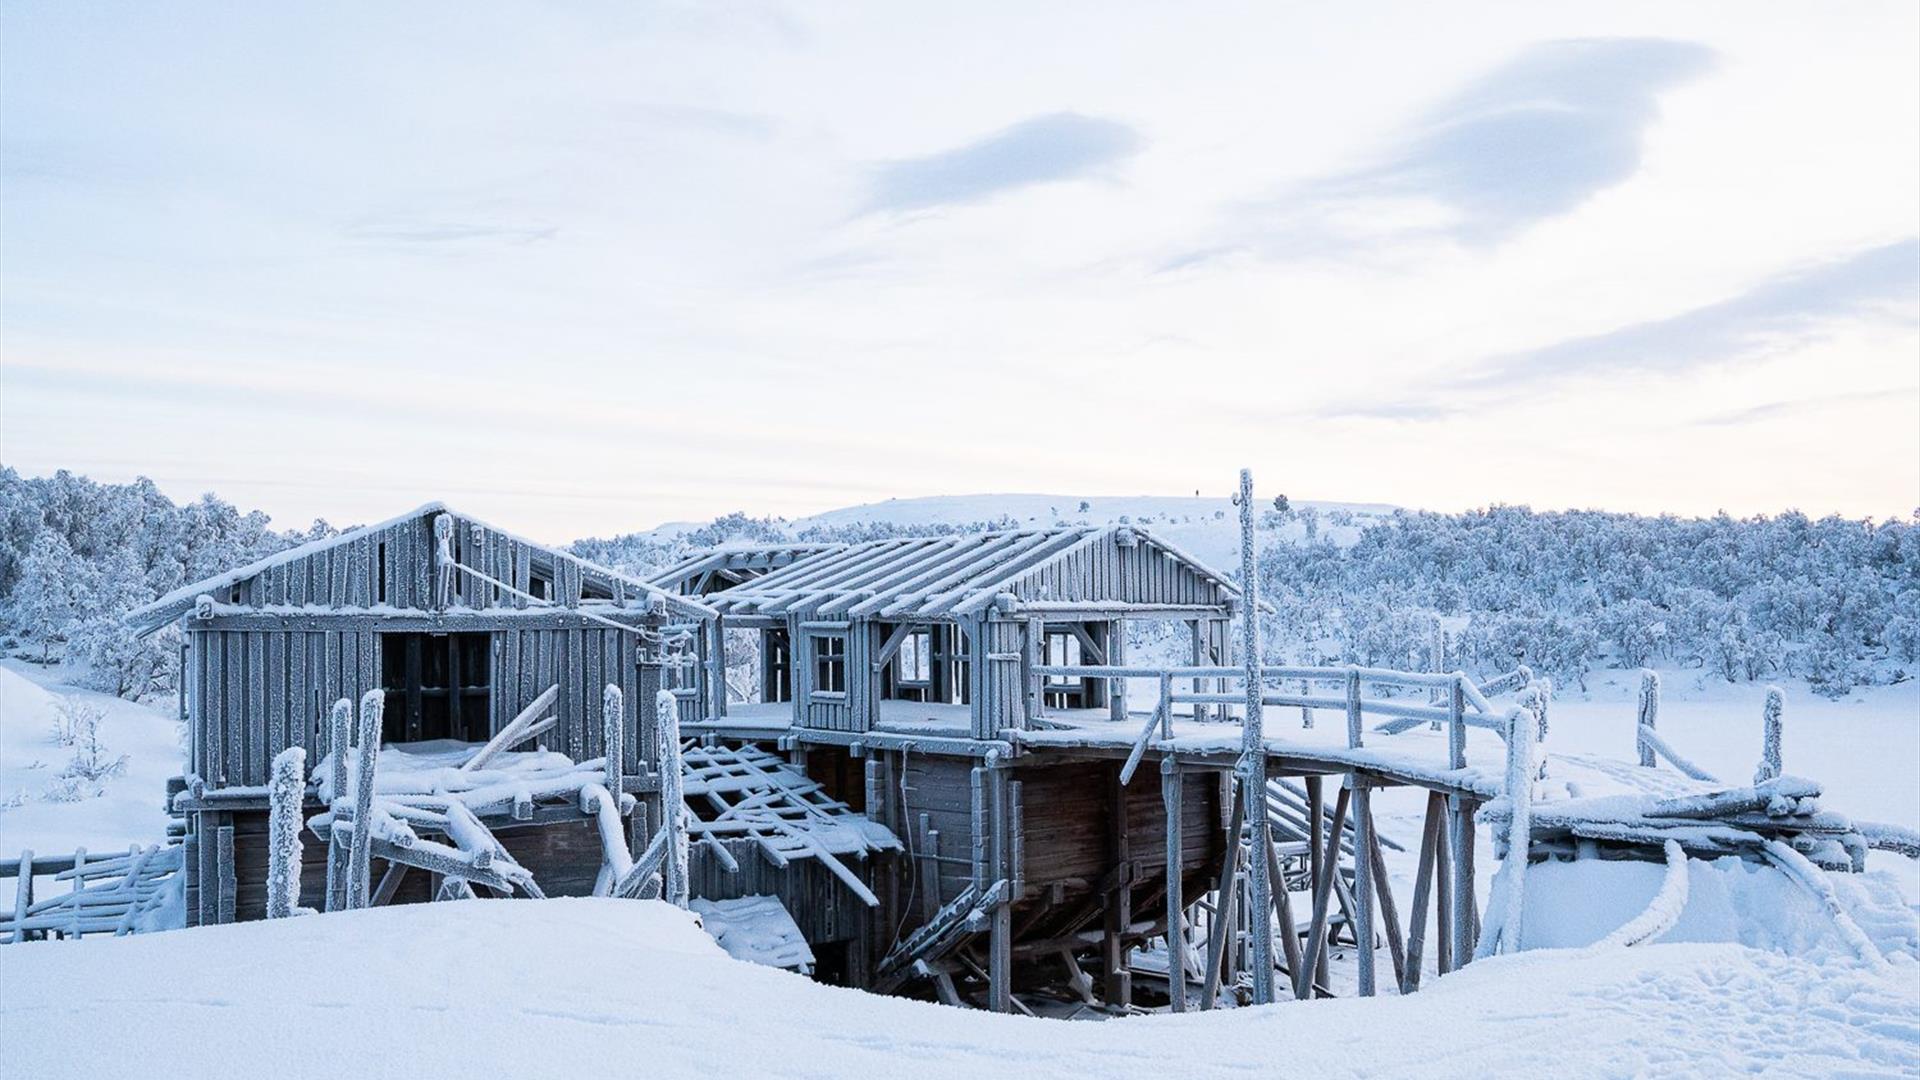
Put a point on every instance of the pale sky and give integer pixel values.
(585, 268)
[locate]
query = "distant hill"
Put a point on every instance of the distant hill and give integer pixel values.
(1206, 527)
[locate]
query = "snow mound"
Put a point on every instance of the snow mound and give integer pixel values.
(27, 713)
(1729, 900)
(578, 987)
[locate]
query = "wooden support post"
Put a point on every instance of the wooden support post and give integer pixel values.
(929, 857)
(673, 803)
(228, 888)
(1283, 911)
(284, 821)
(1442, 893)
(1389, 911)
(1323, 888)
(1116, 973)
(1227, 893)
(717, 668)
(1316, 827)
(1772, 719)
(1363, 879)
(1465, 915)
(339, 733)
(1649, 716)
(1000, 935)
(1170, 797)
(1354, 735)
(1253, 759)
(613, 709)
(1422, 890)
(359, 861)
(1457, 724)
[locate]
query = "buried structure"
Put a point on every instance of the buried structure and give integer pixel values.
(941, 762)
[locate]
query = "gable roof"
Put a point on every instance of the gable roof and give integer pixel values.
(173, 605)
(734, 563)
(1113, 567)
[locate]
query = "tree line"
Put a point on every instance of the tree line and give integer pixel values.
(1835, 601)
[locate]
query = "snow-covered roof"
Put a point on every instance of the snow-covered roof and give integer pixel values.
(735, 562)
(1106, 567)
(178, 602)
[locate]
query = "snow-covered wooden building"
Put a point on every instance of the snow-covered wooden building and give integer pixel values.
(901, 673)
(460, 626)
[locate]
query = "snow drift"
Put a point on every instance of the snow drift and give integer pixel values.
(575, 987)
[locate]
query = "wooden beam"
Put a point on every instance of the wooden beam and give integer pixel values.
(1389, 912)
(1422, 890)
(1363, 882)
(1228, 892)
(1322, 896)
(1170, 796)
(1118, 984)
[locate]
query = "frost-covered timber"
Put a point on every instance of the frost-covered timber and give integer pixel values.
(284, 822)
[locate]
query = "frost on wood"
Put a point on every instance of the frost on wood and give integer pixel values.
(339, 729)
(1510, 893)
(673, 806)
(1770, 721)
(1665, 908)
(289, 789)
(1649, 714)
(367, 755)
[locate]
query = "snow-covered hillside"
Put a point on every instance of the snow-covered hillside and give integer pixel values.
(588, 987)
(1206, 526)
(38, 809)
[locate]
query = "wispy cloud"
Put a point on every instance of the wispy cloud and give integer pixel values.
(1059, 146)
(1774, 410)
(1880, 284)
(1529, 140)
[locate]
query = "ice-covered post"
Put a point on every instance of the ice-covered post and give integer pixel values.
(286, 793)
(339, 731)
(1649, 715)
(367, 745)
(673, 805)
(1542, 702)
(442, 561)
(613, 709)
(1253, 759)
(1770, 719)
(1521, 724)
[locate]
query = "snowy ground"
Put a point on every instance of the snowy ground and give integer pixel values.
(588, 987)
(130, 809)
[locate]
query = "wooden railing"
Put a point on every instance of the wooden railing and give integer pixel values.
(1462, 704)
(106, 895)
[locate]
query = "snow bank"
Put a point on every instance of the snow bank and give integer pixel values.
(1730, 900)
(572, 987)
(132, 807)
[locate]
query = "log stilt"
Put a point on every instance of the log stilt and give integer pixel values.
(1323, 888)
(1422, 892)
(1227, 891)
(1118, 979)
(1170, 795)
(1363, 880)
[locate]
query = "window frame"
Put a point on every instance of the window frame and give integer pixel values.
(828, 654)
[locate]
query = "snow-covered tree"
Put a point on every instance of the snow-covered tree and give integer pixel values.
(48, 590)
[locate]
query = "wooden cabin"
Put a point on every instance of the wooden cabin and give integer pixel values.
(902, 672)
(460, 624)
